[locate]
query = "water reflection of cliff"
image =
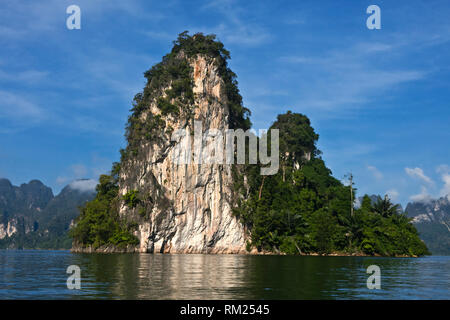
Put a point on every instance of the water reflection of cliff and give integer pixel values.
(158, 276)
(190, 276)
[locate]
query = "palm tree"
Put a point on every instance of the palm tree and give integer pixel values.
(355, 228)
(385, 207)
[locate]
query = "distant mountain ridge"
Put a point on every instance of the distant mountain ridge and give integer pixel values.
(432, 220)
(32, 217)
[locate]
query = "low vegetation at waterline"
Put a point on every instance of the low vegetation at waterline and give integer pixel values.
(99, 223)
(303, 209)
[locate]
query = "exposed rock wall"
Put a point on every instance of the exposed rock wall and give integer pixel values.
(8, 229)
(188, 208)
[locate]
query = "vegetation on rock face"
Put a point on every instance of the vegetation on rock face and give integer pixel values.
(301, 209)
(99, 222)
(131, 198)
(170, 86)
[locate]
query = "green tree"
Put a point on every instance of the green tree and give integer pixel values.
(385, 207)
(99, 222)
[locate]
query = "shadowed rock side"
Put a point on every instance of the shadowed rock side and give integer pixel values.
(190, 207)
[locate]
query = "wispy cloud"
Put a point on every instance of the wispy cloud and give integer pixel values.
(237, 28)
(87, 185)
(343, 80)
(393, 194)
(444, 170)
(18, 109)
(97, 165)
(76, 171)
(27, 76)
(418, 173)
(423, 196)
(376, 173)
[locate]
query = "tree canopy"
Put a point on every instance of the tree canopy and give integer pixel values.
(304, 209)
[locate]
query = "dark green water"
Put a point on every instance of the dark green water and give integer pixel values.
(42, 275)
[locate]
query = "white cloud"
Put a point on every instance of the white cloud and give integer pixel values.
(15, 107)
(393, 194)
(61, 180)
(445, 191)
(418, 173)
(79, 171)
(376, 173)
(84, 185)
(423, 196)
(444, 170)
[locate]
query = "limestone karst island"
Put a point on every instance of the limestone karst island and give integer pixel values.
(151, 203)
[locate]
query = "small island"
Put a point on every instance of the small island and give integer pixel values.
(148, 203)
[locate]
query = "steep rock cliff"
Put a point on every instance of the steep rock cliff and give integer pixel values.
(189, 209)
(151, 199)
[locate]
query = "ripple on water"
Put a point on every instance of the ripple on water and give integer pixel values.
(32, 274)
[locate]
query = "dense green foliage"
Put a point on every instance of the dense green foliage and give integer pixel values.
(170, 86)
(303, 209)
(99, 222)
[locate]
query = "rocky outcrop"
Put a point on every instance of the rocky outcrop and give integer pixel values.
(188, 207)
(432, 220)
(8, 229)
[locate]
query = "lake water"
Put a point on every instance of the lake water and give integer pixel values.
(31, 274)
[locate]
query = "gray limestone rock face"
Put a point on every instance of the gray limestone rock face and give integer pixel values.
(188, 206)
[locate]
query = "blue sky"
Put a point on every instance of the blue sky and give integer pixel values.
(379, 99)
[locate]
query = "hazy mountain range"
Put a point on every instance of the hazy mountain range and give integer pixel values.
(32, 217)
(432, 220)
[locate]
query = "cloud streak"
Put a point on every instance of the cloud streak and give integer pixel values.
(419, 174)
(376, 173)
(14, 107)
(423, 196)
(87, 185)
(343, 80)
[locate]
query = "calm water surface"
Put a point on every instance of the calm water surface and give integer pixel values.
(30, 274)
